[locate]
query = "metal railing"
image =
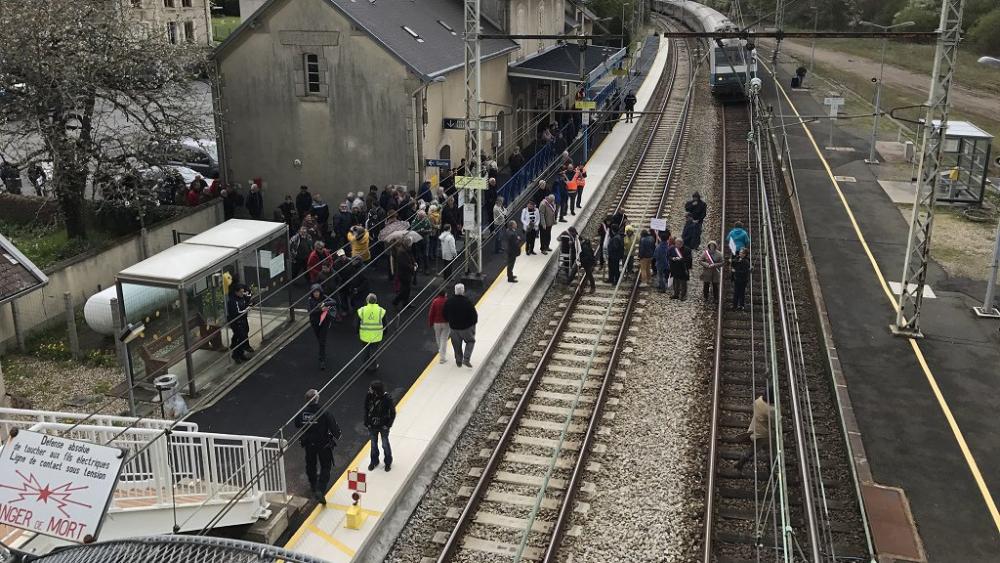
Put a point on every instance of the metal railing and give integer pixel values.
(11, 418)
(184, 467)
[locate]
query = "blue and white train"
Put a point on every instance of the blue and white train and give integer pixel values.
(732, 66)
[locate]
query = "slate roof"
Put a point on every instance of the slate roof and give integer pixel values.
(438, 50)
(562, 62)
(17, 274)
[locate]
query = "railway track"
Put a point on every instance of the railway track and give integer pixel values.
(525, 491)
(796, 499)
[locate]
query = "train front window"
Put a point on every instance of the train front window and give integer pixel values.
(733, 56)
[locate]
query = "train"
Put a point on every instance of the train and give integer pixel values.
(733, 65)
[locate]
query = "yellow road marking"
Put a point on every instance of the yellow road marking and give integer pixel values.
(344, 507)
(970, 460)
(332, 541)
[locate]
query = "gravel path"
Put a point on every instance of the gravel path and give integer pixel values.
(649, 499)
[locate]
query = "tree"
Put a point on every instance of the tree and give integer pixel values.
(86, 88)
(985, 36)
(925, 19)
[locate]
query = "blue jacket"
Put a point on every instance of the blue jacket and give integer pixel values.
(661, 255)
(739, 237)
(647, 247)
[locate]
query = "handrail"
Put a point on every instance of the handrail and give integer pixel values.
(111, 420)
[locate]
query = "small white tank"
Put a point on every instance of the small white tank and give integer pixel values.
(140, 300)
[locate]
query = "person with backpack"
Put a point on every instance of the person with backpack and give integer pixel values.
(318, 440)
(616, 253)
(380, 413)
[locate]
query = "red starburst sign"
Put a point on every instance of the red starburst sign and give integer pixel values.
(56, 486)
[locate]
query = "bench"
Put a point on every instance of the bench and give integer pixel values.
(208, 337)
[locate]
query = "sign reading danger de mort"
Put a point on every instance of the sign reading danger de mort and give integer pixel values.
(57, 486)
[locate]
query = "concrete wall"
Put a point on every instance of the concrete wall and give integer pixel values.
(248, 7)
(154, 16)
(536, 17)
(87, 274)
(353, 135)
(447, 99)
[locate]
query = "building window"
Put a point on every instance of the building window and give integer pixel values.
(136, 3)
(172, 32)
(189, 31)
(185, 3)
(312, 73)
(168, 3)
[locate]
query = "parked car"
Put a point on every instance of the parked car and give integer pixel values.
(200, 155)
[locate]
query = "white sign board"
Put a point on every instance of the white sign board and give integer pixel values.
(833, 101)
(57, 486)
(658, 224)
(277, 265)
(470, 183)
(585, 118)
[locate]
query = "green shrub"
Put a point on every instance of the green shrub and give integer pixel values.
(925, 19)
(985, 35)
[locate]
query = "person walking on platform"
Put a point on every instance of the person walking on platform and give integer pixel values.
(318, 440)
(321, 313)
(572, 184)
(499, 223)
(512, 238)
(740, 272)
(371, 326)
(587, 262)
(380, 413)
(696, 207)
(561, 192)
(711, 270)
(359, 238)
(435, 318)
(629, 106)
(547, 212)
(680, 269)
(530, 220)
(462, 317)
(759, 432)
(737, 239)
(580, 177)
(448, 250)
(236, 313)
(647, 246)
(616, 252)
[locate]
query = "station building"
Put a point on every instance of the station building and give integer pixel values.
(340, 94)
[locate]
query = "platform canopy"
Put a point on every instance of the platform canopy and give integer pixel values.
(178, 264)
(562, 62)
(963, 129)
(239, 234)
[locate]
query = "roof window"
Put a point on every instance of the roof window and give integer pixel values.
(448, 27)
(413, 34)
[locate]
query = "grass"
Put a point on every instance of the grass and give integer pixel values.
(46, 245)
(222, 26)
(919, 58)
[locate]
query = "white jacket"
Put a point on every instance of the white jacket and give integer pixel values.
(448, 250)
(527, 217)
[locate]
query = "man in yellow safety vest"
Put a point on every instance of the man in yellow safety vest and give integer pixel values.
(371, 325)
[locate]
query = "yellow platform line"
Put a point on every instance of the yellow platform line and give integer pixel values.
(344, 508)
(970, 460)
(332, 541)
(364, 452)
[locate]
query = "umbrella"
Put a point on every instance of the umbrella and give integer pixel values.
(414, 236)
(389, 230)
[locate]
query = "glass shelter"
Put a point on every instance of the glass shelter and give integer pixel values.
(180, 296)
(964, 163)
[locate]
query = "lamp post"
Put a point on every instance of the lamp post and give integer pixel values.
(987, 310)
(812, 55)
(878, 85)
(624, 4)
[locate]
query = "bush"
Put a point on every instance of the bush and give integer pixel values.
(985, 35)
(28, 210)
(926, 20)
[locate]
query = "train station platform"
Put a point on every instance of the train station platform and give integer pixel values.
(433, 398)
(925, 409)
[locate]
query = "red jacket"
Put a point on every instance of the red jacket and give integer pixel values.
(436, 314)
(193, 198)
(314, 264)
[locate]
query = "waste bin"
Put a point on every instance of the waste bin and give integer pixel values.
(796, 81)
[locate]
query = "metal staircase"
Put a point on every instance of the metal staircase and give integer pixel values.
(172, 481)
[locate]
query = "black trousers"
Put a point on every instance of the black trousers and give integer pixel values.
(713, 286)
(546, 236)
(579, 198)
(614, 270)
(563, 205)
(324, 455)
(680, 288)
(240, 343)
(588, 277)
(739, 294)
(529, 240)
(403, 297)
(510, 267)
(320, 331)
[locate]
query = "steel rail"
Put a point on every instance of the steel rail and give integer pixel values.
(808, 504)
(467, 515)
(717, 370)
(561, 522)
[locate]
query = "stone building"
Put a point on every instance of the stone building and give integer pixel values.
(179, 21)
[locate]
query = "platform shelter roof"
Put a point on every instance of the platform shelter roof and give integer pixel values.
(178, 264)
(239, 234)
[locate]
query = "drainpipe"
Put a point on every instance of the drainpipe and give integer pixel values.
(417, 115)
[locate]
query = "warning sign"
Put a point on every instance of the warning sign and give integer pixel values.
(356, 481)
(56, 486)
